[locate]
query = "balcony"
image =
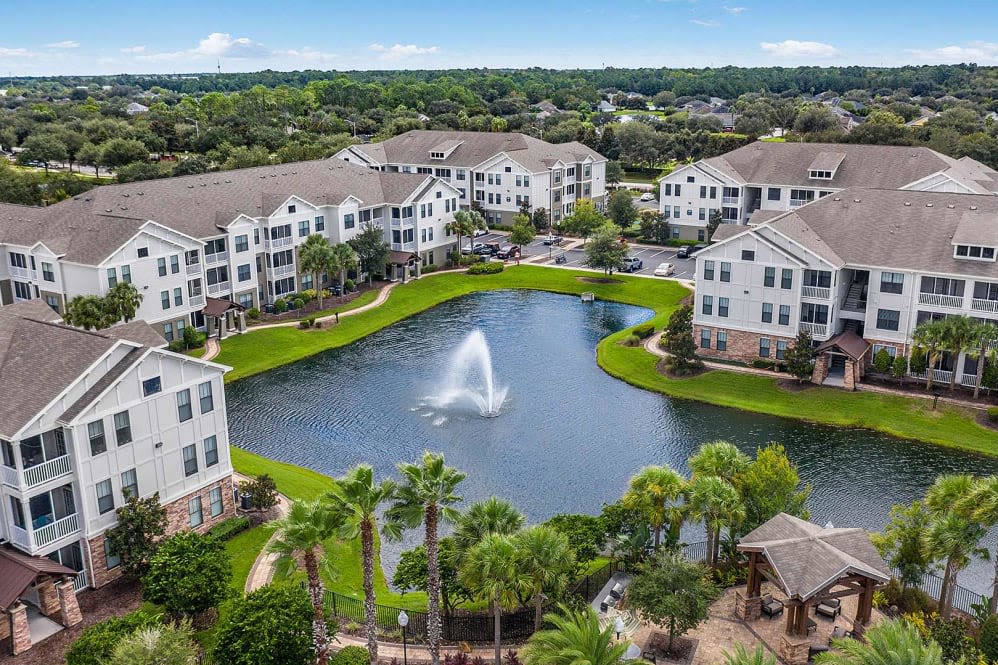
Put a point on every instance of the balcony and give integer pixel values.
(281, 271)
(23, 273)
(405, 221)
(277, 243)
(81, 582)
(940, 300)
(729, 200)
(983, 305)
(404, 246)
(217, 257)
(816, 329)
(10, 476)
(196, 301)
(221, 287)
(193, 268)
(938, 376)
(40, 473)
(818, 292)
(796, 203)
(68, 525)
(969, 380)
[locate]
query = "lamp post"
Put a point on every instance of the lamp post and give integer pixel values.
(618, 625)
(197, 127)
(404, 621)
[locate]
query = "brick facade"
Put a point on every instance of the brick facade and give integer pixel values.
(177, 519)
(899, 349)
(742, 346)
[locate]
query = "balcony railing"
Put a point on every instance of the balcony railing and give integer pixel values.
(193, 268)
(275, 243)
(796, 203)
(940, 300)
(221, 287)
(819, 292)
(405, 221)
(68, 525)
(938, 375)
(36, 475)
(983, 305)
(729, 200)
(404, 246)
(10, 476)
(81, 582)
(196, 301)
(968, 380)
(23, 273)
(281, 271)
(814, 328)
(20, 537)
(217, 257)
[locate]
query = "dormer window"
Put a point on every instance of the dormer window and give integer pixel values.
(436, 155)
(974, 252)
(821, 175)
(292, 209)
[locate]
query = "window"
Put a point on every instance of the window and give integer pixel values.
(98, 442)
(246, 300)
(891, 282)
(184, 410)
(784, 315)
(725, 271)
(708, 305)
(690, 178)
(799, 197)
(700, 235)
(53, 302)
(722, 307)
(675, 212)
(781, 349)
(164, 298)
(713, 192)
(105, 497)
(888, 319)
(821, 175)
(722, 340)
(763, 347)
(168, 331)
(47, 273)
(126, 274)
(748, 255)
(215, 500)
(210, 451)
(194, 512)
(122, 428)
(242, 243)
(677, 189)
(702, 214)
(708, 270)
(190, 460)
(703, 191)
(985, 291)
(943, 286)
(767, 312)
(178, 296)
(204, 396)
(142, 252)
(129, 484)
(256, 237)
(174, 264)
(112, 277)
(460, 175)
(292, 209)
(22, 290)
(320, 223)
(151, 386)
(974, 252)
(113, 560)
(303, 228)
(812, 313)
(348, 221)
(773, 194)
(244, 272)
(705, 338)
(819, 278)
(770, 277)
(161, 266)
(17, 260)
(787, 279)
(667, 189)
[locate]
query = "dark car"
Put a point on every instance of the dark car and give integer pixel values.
(684, 252)
(697, 247)
(508, 252)
(553, 240)
(487, 249)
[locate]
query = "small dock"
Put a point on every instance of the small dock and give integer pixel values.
(588, 296)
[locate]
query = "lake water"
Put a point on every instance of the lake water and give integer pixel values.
(569, 436)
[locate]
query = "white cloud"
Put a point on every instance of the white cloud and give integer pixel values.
(133, 49)
(735, 10)
(16, 53)
(69, 43)
(792, 48)
(222, 44)
(309, 54)
(706, 24)
(983, 53)
(401, 51)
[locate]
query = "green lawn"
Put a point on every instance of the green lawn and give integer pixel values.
(244, 548)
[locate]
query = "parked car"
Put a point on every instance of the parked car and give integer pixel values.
(697, 247)
(508, 252)
(553, 240)
(472, 248)
(647, 196)
(684, 252)
(481, 232)
(631, 264)
(487, 249)
(664, 270)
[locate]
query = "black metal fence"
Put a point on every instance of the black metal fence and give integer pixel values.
(963, 598)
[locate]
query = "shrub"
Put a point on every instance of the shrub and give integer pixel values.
(192, 338)
(882, 362)
(262, 491)
(280, 306)
(490, 268)
(899, 367)
(761, 363)
(632, 340)
(909, 600)
(299, 303)
(253, 313)
(308, 295)
(645, 330)
(177, 346)
(160, 645)
(226, 529)
(454, 258)
(189, 574)
(97, 643)
(351, 656)
(987, 639)
(305, 323)
(993, 414)
(349, 285)
(430, 268)
(918, 361)
(271, 626)
(953, 638)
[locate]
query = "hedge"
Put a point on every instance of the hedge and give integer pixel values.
(228, 528)
(490, 268)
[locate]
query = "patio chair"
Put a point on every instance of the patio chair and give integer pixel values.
(815, 649)
(831, 608)
(617, 591)
(811, 626)
(771, 607)
(838, 632)
(649, 656)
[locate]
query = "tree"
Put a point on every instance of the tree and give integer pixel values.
(614, 172)
(800, 356)
(721, 459)
(122, 302)
(262, 491)
(188, 574)
(980, 348)
(677, 339)
(893, 641)
(44, 148)
(902, 543)
(815, 118)
(316, 256)
(981, 503)
(771, 485)
(87, 312)
(426, 497)
(371, 249)
(540, 219)
(358, 498)
(270, 626)
(344, 258)
(412, 572)
(483, 518)
(160, 645)
(654, 491)
(741, 656)
(669, 590)
(586, 535)
(546, 558)
(882, 361)
(491, 569)
(716, 502)
(900, 367)
(713, 222)
(118, 152)
(299, 536)
(621, 208)
(930, 338)
(961, 334)
(465, 223)
(585, 220)
(575, 638)
(522, 234)
(90, 155)
(141, 523)
(604, 250)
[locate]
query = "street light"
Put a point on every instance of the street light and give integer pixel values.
(404, 621)
(618, 625)
(197, 127)
(352, 124)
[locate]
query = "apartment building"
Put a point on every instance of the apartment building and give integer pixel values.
(107, 412)
(759, 181)
(499, 172)
(228, 237)
(858, 269)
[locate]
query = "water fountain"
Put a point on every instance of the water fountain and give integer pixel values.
(470, 379)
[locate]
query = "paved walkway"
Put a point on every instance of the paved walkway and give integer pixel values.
(211, 348)
(262, 571)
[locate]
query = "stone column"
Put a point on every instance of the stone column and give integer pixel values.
(820, 371)
(20, 632)
(794, 650)
(746, 608)
(68, 605)
(48, 599)
(419, 269)
(4, 625)
(849, 378)
(242, 321)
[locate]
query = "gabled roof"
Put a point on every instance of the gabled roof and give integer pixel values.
(848, 343)
(18, 571)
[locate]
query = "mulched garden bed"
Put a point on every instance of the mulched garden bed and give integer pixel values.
(984, 421)
(600, 280)
(312, 307)
(917, 389)
(793, 385)
(116, 599)
(683, 650)
(668, 373)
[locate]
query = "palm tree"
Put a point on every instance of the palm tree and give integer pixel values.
(492, 569)
(982, 505)
(546, 557)
(654, 491)
(741, 656)
(426, 497)
(721, 459)
(301, 533)
(342, 258)
(930, 336)
(359, 498)
(491, 516)
(985, 334)
(465, 223)
(961, 332)
(717, 503)
(315, 256)
(893, 642)
(122, 301)
(952, 534)
(575, 639)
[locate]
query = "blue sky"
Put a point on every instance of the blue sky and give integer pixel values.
(130, 36)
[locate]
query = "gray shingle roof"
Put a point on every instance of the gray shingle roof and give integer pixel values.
(808, 558)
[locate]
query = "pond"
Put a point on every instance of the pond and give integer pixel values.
(568, 436)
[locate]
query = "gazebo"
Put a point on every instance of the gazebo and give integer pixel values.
(46, 584)
(223, 316)
(401, 263)
(841, 356)
(810, 564)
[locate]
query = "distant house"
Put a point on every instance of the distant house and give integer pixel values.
(727, 120)
(423, 117)
(135, 108)
(605, 107)
(548, 107)
(716, 101)
(697, 106)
